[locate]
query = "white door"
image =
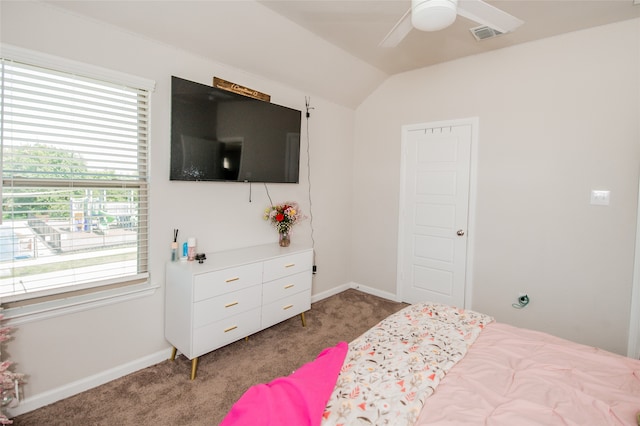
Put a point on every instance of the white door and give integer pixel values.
(434, 213)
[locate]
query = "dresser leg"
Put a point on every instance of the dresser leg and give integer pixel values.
(304, 322)
(194, 367)
(174, 351)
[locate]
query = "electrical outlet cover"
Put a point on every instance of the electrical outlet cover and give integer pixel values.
(600, 198)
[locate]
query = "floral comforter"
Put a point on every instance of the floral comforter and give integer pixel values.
(391, 369)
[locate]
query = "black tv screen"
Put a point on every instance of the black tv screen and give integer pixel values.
(217, 135)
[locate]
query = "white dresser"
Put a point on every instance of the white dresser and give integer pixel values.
(234, 294)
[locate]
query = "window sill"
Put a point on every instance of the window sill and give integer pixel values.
(54, 308)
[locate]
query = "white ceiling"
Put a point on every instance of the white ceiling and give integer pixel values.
(357, 26)
(330, 47)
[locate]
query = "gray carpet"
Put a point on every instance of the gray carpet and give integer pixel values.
(164, 395)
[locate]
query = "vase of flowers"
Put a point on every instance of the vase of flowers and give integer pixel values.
(283, 239)
(283, 217)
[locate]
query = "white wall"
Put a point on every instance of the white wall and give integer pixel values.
(58, 353)
(558, 117)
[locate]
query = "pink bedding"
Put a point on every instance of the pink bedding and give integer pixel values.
(514, 376)
(437, 365)
(392, 368)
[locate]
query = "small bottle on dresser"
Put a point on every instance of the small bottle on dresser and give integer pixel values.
(191, 249)
(174, 252)
(185, 251)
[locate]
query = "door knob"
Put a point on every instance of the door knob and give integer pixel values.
(460, 232)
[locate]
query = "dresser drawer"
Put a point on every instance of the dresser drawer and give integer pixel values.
(287, 265)
(285, 287)
(224, 306)
(283, 309)
(225, 280)
(217, 334)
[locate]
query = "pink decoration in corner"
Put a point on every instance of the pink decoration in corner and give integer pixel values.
(298, 399)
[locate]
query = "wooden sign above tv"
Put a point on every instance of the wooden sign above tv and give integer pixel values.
(241, 90)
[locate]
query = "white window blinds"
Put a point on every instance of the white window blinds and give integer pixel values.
(74, 181)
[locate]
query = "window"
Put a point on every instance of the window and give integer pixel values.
(74, 181)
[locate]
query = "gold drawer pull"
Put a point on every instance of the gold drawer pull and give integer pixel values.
(228, 305)
(289, 286)
(287, 307)
(289, 265)
(230, 329)
(232, 279)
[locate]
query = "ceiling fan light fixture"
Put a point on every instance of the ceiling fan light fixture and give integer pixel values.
(433, 15)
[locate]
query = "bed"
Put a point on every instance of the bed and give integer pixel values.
(432, 364)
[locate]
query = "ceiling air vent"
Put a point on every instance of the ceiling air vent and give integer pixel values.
(483, 32)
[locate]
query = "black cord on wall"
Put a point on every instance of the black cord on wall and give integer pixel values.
(307, 102)
(308, 108)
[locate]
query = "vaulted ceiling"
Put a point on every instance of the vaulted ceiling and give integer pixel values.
(359, 26)
(331, 47)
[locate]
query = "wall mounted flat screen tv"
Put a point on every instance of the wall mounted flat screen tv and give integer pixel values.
(217, 135)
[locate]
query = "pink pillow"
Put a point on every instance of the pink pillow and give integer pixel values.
(298, 399)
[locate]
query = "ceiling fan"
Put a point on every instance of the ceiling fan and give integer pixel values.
(435, 15)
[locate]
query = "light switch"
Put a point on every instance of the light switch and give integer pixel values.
(600, 198)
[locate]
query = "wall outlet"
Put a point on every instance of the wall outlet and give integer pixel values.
(523, 300)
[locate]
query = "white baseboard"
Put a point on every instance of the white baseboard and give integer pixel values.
(321, 296)
(375, 292)
(356, 286)
(49, 397)
(363, 288)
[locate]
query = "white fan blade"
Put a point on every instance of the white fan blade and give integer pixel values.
(486, 14)
(398, 32)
